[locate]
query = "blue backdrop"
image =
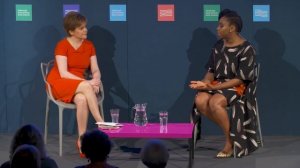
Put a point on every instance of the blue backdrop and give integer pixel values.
(143, 60)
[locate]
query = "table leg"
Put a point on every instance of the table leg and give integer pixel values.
(191, 152)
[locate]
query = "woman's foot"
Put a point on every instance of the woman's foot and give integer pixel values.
(78, 143)
(226, 152)
(228, 147)
(223, 154)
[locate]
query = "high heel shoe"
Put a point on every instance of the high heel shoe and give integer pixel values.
(81, 155)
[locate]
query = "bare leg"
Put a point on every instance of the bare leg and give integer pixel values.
(217, 105)
(82, 112)
(201, 101)
(87, 90)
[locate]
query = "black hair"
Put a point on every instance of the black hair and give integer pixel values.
(96, 145)
(31, 135)
(155, 154)
(233, 17)
(26, 156)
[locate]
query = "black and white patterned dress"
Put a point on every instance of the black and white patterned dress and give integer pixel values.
(237, 62)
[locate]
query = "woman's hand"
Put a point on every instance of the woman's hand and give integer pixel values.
(209, 86)
(96, 89)
(95, 83)
(199, 85)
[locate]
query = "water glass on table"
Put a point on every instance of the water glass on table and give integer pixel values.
(163, 118)
(114, 113)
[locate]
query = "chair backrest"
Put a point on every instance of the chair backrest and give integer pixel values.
(45, 68)
(256, 76)
(100, 95)
(257, 70)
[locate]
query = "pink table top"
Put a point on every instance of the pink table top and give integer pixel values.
(152, 130)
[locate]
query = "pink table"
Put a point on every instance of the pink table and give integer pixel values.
(153, 130)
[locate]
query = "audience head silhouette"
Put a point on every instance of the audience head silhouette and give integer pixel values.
(26, 156)
(96, 145)
(155, 154)
(28, 134)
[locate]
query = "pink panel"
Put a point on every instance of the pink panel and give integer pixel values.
(152, 130)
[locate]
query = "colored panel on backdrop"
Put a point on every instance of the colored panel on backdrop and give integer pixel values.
(166, 13)
(211, 12)
(23, 12)
(70, 8)
(261, 13)
(117, 12)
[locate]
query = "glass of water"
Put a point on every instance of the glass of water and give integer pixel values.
(163, 118)
(114, 113)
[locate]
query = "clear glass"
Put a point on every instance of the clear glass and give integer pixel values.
(114, 113)
(163, 118)
(163, 129)
(140, 115)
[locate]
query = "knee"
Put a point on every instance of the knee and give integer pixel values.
(86, 85)
(80, 100)
(215, 106)
(199, 101)
(201, 104)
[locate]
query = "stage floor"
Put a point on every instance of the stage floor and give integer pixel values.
(278, 152)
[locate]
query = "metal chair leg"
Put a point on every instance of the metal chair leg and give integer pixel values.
(60, 128)
(195, 135)
(46, 121)
(234, 150)
(258, 124)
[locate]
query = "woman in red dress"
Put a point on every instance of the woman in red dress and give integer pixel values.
(73, 56)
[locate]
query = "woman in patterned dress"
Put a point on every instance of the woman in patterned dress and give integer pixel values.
(73, 56)
(229, 70)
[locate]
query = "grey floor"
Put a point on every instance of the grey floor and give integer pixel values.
(278, 152)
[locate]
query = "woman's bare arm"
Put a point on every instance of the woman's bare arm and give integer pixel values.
(95, 68)
(208, 77)
(228, 84)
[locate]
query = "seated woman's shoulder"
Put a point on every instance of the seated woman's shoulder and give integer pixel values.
(219, 43)
(63, 42)
(88, 42)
